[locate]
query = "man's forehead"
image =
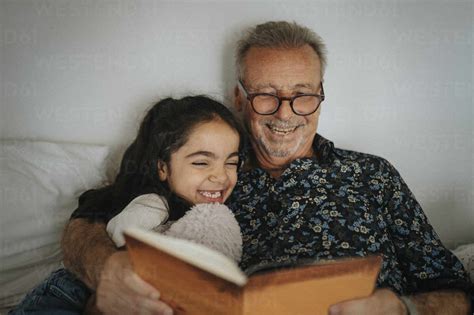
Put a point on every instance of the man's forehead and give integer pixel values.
(281, 69)
(281, 53)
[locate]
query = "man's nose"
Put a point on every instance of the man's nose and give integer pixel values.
(285, 111)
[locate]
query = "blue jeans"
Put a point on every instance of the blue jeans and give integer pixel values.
(60, 294)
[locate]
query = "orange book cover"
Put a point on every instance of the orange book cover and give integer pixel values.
(194, 279)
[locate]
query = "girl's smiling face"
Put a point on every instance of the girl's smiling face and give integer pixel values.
(204, 169)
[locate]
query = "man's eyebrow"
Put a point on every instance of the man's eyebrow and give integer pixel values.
(304, 85)
(299, 85)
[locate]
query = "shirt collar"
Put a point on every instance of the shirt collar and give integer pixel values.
(323, 150)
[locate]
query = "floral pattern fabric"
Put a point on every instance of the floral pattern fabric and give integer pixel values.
(340, 204)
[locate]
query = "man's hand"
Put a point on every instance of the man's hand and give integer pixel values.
(122, 291)
(382, 301)
(385, 301)
(91, 255)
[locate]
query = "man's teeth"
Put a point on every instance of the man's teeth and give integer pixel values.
(208, 194)
(282, 131)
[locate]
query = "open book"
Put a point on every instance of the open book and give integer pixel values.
(194, 279)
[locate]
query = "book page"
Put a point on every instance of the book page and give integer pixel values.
(195, 254)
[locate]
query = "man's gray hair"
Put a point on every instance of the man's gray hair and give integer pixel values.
(279, 34)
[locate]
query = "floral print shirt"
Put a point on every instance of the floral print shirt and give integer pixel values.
(339, 204)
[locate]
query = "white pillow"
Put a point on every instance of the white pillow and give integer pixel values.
(40, 183)
(465, 253)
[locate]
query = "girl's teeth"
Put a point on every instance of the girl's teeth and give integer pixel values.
(211, 195)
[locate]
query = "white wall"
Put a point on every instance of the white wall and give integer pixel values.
(398, 85)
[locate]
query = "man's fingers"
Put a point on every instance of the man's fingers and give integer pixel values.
(156, 307)
(140, 286)
(382, 301)
(354, 307)
(122, 291)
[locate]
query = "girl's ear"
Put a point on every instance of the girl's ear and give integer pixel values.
(162, 170)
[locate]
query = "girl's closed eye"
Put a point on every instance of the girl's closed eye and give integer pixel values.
(232, 164)
(200, 163)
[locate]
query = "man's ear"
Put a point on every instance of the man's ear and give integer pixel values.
(162, 170)
(237, 99)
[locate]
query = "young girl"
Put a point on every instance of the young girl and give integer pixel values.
(186, 153)
(202, 171)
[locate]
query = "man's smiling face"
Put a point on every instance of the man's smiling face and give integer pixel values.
(284, 136)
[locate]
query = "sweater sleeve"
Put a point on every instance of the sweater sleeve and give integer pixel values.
(145, 211)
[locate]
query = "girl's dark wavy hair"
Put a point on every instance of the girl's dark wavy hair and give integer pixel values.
(165, 128)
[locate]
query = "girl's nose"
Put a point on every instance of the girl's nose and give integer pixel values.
(218, 175)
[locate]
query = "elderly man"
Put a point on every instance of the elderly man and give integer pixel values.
(300, 197)
(297, 197)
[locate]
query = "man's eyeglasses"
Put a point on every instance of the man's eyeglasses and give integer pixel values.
(269, 104)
